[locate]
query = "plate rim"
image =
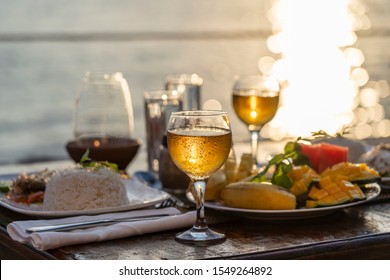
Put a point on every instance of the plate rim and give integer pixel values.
(294, 214)
(160, 195)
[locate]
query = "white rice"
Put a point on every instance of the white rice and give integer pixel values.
(79, 189)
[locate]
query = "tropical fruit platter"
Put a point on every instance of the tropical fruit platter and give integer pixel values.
(304, 175)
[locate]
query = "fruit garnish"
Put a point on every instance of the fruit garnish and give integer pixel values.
(282, 164)
(293, 155)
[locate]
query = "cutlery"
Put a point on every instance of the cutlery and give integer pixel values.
(94, 223)
(173, 201)
(152, 181)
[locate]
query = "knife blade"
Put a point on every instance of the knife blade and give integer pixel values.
(94, 223)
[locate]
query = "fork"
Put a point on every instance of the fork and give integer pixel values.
(169, 202)
(151, 180)
(172, 201)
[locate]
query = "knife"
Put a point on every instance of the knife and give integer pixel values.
(94, 223)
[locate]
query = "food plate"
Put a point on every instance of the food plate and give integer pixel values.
(139, 195)
(370, 190)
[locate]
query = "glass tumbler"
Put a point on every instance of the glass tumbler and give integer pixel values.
(190, 86)
(159, 104)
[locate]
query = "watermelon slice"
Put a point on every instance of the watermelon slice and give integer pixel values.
(313, 152)
(324, 155)
(330, 155)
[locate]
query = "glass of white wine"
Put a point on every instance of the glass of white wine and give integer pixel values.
(199, 143)
(255, 101)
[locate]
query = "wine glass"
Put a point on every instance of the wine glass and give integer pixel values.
(103, 120)
(255, 101)
(199, 143)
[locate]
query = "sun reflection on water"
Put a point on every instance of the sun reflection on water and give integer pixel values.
(326, 86)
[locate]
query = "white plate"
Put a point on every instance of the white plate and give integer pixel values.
(139, 195)
(371, 191)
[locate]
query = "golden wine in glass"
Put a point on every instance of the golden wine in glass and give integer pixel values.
(255, 101)
(199, 143)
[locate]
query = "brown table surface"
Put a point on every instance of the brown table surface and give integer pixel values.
(359, 232)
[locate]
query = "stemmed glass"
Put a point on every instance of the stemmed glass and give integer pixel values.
(255, 101)
(199, 143)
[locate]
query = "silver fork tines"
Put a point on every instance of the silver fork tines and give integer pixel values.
(173, 201)
(170, 202)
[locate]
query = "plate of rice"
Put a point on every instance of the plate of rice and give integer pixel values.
(80, 191)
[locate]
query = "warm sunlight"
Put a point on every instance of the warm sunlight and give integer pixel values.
(322, 68)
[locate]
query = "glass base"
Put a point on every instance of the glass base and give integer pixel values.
(203, 236)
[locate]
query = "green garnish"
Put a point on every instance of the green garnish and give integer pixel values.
(86, 161)
(323, 134)
(283, 163)
(5, 186)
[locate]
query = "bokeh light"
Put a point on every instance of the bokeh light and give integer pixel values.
(325, 84)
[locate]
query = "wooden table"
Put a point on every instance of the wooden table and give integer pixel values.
(356, 233)
(360, 232)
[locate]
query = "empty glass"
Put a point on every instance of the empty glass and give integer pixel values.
(190, 86)
(159, 104)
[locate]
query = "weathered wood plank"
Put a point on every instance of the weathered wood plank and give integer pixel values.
(357, 233)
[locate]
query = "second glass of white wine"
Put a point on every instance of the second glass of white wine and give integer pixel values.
(255, 101)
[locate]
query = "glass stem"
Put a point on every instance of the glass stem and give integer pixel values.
(255, 134)
(200, 188)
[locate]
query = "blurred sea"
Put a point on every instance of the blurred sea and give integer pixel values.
(46, 46)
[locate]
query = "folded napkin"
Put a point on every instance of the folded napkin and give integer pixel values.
(52, 239)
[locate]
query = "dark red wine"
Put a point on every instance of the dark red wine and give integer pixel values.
(115, 150)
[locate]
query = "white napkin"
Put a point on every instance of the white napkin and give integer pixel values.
(51, 240)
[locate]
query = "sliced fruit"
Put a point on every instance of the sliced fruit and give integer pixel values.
(331, 155)
(329, 191)
(354, 193)
(324, 155)
(261, 196)
(244, 169)
(352, 171)
(214, 186)
(301, 176)
(313, 152)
